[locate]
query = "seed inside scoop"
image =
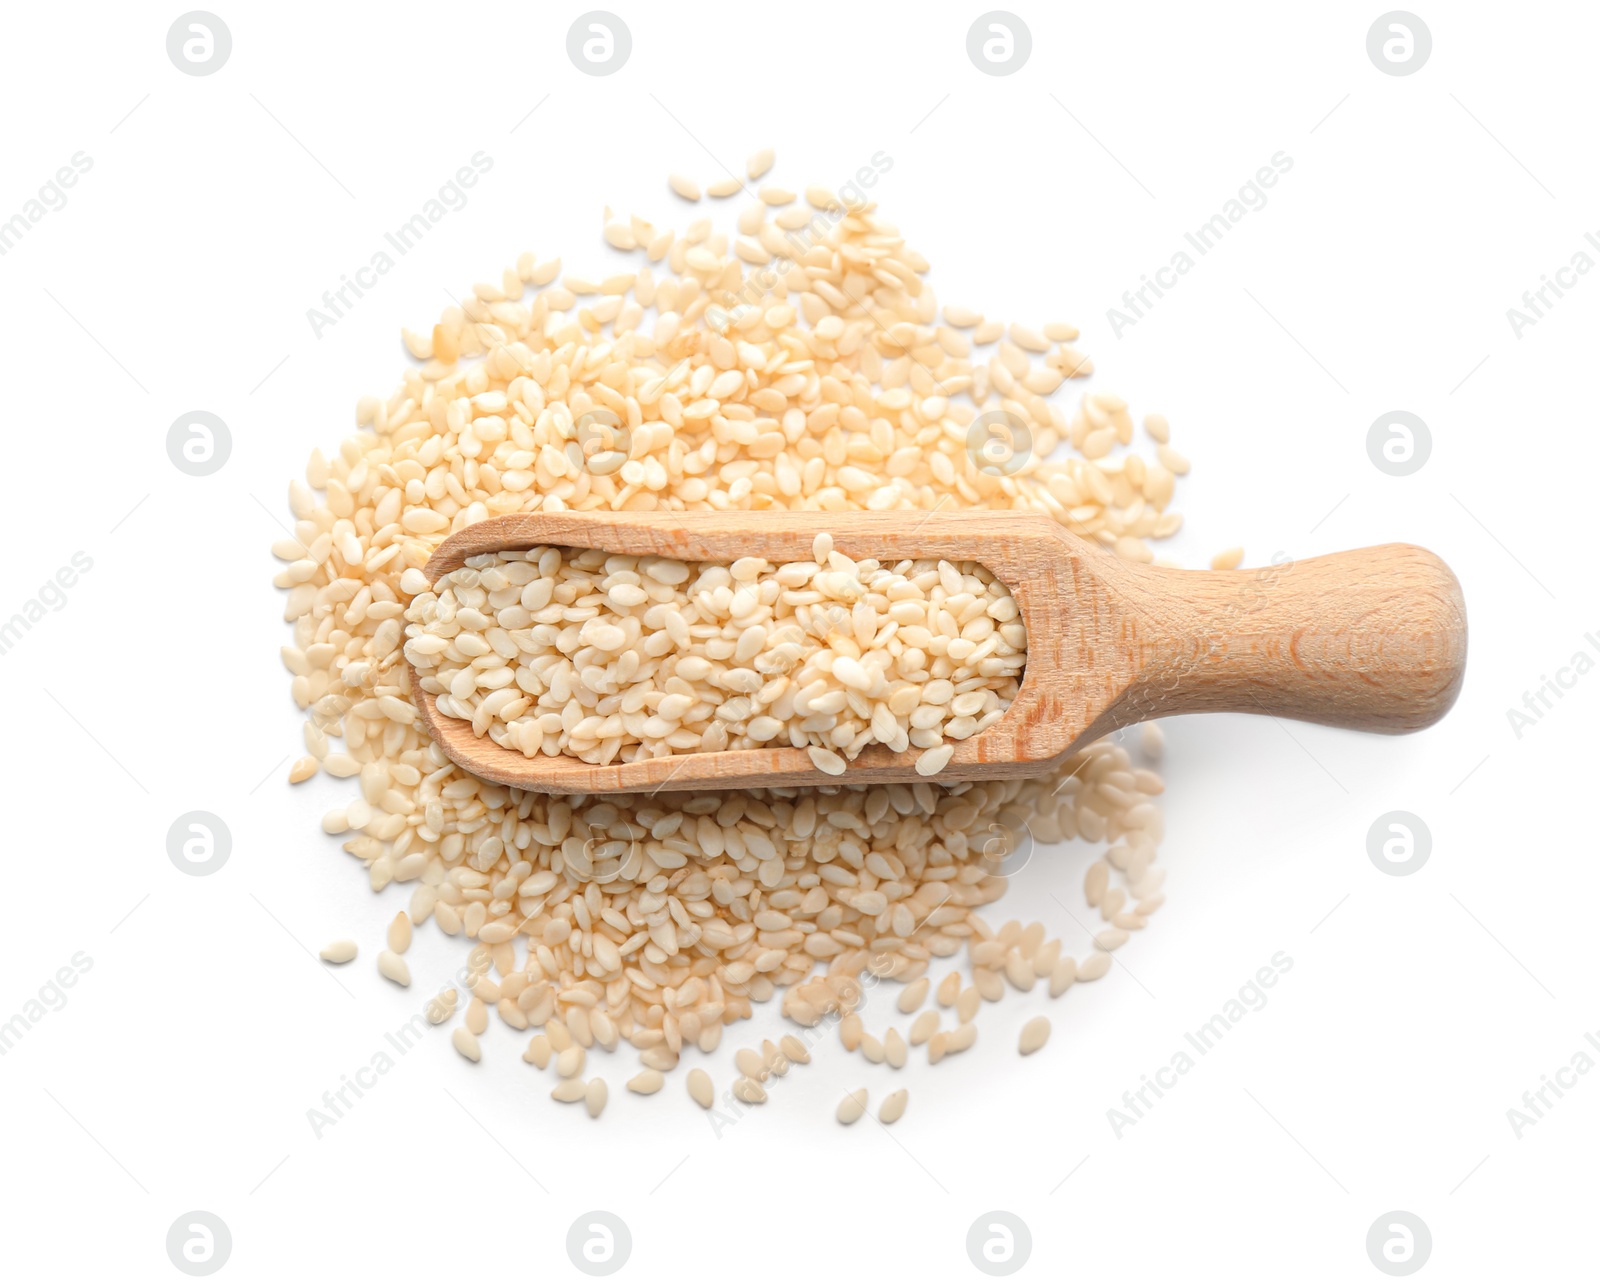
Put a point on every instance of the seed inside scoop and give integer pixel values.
(611, 658)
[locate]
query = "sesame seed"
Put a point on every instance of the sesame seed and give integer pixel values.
(894, 1104)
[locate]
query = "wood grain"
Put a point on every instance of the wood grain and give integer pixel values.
(1368, 639)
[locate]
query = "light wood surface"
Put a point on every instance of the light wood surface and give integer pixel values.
(1371, 639)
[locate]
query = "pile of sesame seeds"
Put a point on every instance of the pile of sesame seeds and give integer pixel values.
(807, 365)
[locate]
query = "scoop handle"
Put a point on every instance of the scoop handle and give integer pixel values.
(1372, 639)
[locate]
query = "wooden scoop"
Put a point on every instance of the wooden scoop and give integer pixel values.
(1370, 639)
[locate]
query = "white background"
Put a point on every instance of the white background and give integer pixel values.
(1419, 1009)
